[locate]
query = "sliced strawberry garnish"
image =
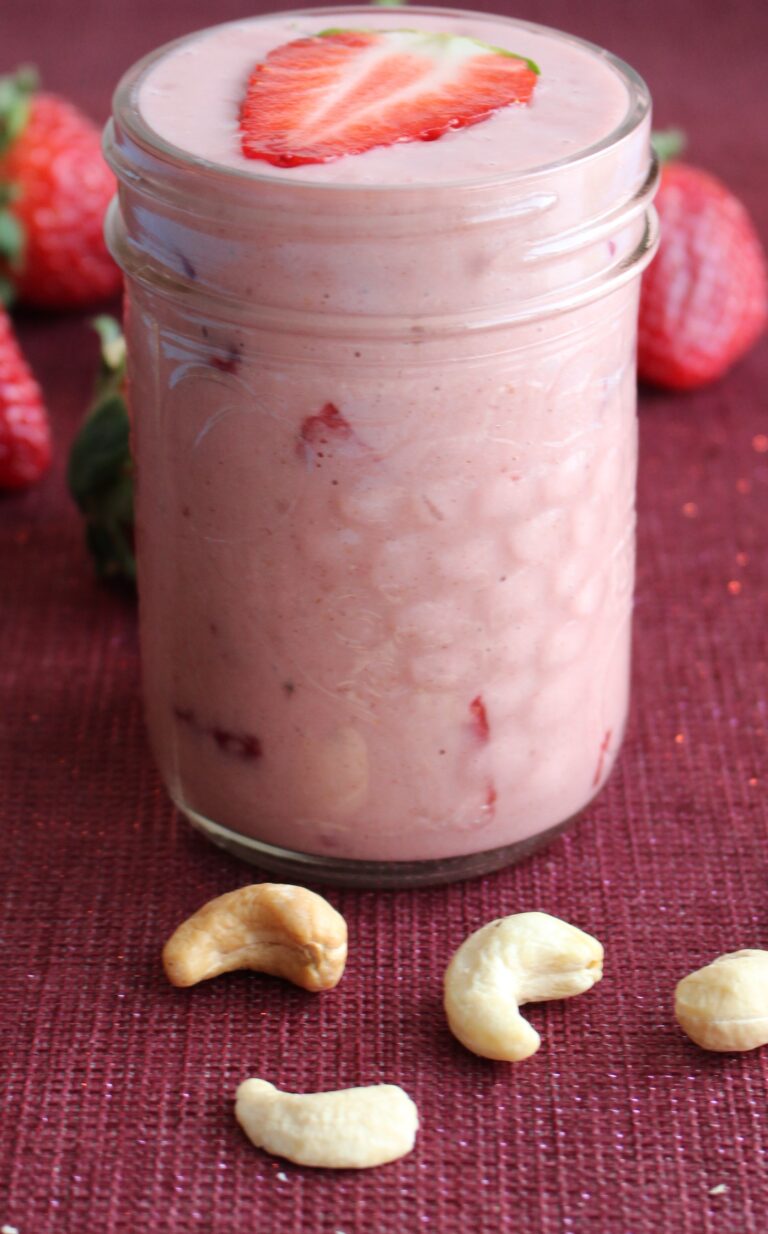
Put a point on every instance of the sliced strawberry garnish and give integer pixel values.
(348, 91)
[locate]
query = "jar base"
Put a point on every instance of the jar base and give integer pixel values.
(383, 875)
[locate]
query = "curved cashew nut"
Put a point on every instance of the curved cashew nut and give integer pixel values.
(725, 1005)
(350, 1129)
(270, 927)
(525, 958)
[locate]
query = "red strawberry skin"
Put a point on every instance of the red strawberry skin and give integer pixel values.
(703, 298)
(25, 442)
(348, 91)
(63, 187)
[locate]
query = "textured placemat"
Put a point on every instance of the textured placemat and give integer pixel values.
(116, 1092)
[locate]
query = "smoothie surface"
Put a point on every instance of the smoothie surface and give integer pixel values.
(191, 98)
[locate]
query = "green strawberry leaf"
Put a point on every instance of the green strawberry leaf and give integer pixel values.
(109, 536)
(11, 238)
(7, 291)
(12, 243)
(100, 469)
(98, 455)
(16, 90)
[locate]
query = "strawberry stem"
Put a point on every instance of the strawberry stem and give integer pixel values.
(332, 32)
(112, 349)
(668, 144)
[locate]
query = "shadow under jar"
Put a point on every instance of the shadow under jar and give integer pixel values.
(385, 440)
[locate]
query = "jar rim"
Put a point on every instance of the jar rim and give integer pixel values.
(126, 111)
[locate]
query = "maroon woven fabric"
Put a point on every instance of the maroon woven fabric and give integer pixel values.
(116, 1089)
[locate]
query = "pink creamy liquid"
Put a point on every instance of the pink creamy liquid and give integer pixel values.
(192, 98)
(386, 580)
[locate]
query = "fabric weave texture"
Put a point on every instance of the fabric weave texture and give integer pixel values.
(117, 1090)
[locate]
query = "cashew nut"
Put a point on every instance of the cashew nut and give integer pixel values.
(725, 1005)
(350, 1129)
(525, 958)
(270, 927)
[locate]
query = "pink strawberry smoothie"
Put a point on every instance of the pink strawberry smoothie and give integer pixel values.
(192, 98)
(384, 424)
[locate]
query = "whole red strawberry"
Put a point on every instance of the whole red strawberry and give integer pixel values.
(25, 442)
(54, 190)
(703, 298)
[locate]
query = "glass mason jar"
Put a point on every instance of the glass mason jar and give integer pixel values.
(385, 440)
